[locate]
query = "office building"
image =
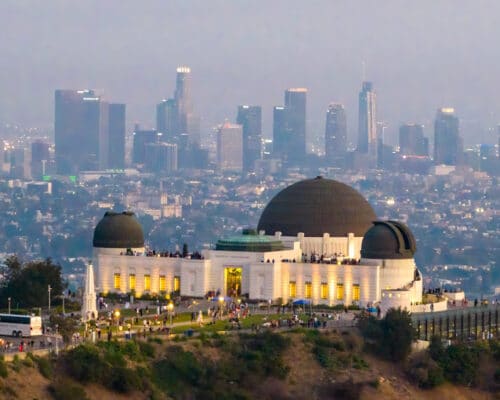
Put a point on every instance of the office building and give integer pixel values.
(20, 163)
(448, 145)
(141, 138)
(117, 130)
(367, 128)
(412, 141)
(175, 116)
(166, 118)
(250, 119)
(289, 127)
(295, 106)
(335, 132)
(230, 147)
(161, 157)
(40, 158)
(81, 131)
(280, 134)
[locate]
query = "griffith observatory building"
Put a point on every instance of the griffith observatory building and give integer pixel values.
(317, 239)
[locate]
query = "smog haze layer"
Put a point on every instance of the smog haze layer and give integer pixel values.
(420, 56)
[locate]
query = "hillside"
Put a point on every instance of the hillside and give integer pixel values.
(300, 364)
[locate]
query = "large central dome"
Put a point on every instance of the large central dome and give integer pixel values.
(317, 206)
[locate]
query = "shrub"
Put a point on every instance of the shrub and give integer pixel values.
(16, 363)
(123, 380)
(424, 371)
(359, 363)
(178, 371)
(155, 340)
(64, 390)
(44, 366)
(132, 350)
(85, 364)
(461, 364)
(322, 355)
(4, 372)
(267, 349)
(28, 361)
(146, 349)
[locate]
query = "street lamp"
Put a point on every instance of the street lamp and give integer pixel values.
(8, 300)
(170, 308)
(117, 316)
(221, 302)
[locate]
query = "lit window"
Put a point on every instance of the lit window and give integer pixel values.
(308, 290)
(324, 290)
(340, 291)
(117, 281)
(147, 282)
(292, 289)
(163, 283)
(131, 281)
(355, 292)
(177, 283)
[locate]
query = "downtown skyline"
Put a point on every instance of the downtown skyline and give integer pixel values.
(419, 58)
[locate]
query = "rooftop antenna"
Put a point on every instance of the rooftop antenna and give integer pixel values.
(363, 70)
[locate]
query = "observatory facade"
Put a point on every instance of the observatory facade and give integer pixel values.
(317, 239)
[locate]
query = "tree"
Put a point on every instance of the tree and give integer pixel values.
(392, 336)
(397, 334)
(27, 284)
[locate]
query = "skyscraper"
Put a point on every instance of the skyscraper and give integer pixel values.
(141, 139)
(116, 157)
(289, 127)
(182, 97)
(295, 105)
(250, 118)
(335, 132)
(161, 157)
(81, 131)
(166, 112)
(280, 134)
(230, 147)
(412, 141)
(448, 145)
(175, 116)
(367, 131)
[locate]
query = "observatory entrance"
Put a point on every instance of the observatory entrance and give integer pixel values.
(232, 279)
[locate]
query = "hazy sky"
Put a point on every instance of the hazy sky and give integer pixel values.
(421, 55)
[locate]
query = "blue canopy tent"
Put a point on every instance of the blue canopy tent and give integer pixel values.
(301, 302)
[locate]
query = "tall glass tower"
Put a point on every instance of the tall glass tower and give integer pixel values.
(448, 145)
(295, 106)
(335, 132)
(250, 118)
(175, 116)
(367, 131)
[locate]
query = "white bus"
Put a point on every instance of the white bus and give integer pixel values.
(20, 325)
